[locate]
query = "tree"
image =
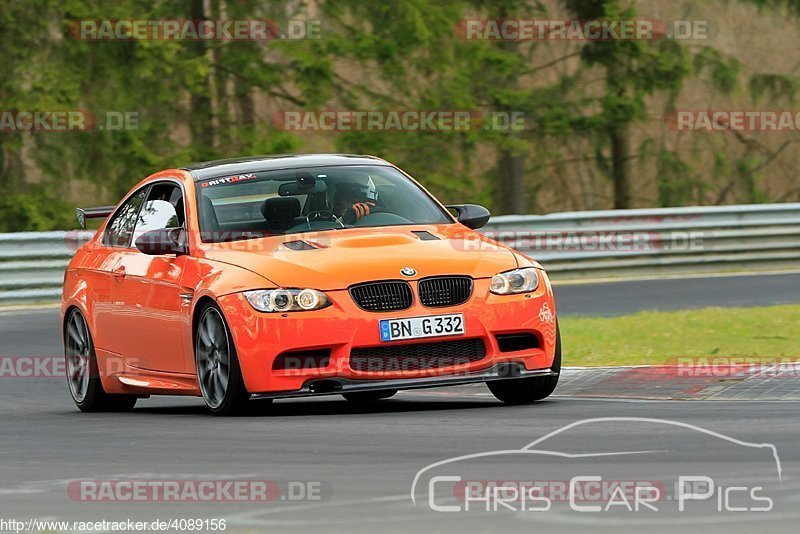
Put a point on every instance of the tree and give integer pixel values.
(633, 70)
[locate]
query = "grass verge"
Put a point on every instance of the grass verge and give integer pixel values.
(657, 337)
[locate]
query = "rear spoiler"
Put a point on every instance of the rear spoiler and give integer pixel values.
(100, 212)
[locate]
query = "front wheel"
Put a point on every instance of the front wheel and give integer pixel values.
(527, 390)
(218, 372)
(83, 374)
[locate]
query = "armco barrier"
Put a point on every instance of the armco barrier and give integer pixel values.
(32, 263)
(666, 240)
(616, 243)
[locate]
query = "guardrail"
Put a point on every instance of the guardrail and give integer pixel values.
(617, 243)
(640, 242)
(32, 264)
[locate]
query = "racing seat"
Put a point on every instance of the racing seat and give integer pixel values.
(281, 213)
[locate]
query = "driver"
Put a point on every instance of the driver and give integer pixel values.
(355, 200)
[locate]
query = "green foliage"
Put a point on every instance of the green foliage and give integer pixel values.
(773, 86)
(792, 5)
(584, 102)
(35, 209)
(677, 184)
(724, 72)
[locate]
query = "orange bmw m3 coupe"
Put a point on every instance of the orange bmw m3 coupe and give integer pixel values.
(293, 276)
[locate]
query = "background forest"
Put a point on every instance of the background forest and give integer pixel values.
(595, 136)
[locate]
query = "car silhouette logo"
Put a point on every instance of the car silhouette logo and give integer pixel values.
(408, 271)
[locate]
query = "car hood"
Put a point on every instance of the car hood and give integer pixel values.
(337, 259)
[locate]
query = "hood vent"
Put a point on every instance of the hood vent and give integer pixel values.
(299, 245)
(425, 236)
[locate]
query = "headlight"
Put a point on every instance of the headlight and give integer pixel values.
(516, 281)
(286, 300)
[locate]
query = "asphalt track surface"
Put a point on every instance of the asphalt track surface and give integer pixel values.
(365, 459)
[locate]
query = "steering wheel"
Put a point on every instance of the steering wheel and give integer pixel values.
(323, 215)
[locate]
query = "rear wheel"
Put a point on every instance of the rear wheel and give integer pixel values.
(218, 372)
(83, 374)
(369, 396)
(527, 390)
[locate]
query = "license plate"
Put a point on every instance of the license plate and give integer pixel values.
(417, 327)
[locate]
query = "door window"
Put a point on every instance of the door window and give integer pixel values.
(163, 209)
(120, 230)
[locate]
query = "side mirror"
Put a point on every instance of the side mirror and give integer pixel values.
(471, 215)
(163, 241)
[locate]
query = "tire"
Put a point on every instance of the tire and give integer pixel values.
(83, 377)
(217, 365)
(369, 396)
(518, 391)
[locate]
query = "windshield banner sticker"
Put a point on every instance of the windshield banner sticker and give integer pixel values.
(229, 180)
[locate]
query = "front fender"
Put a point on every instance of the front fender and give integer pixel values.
(212, 280)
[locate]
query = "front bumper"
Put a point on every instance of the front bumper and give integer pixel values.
(261, 337)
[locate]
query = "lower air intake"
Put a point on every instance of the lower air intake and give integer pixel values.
(417, 356)
(302, 359)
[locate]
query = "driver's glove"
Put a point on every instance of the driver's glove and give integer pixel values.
(357, 211)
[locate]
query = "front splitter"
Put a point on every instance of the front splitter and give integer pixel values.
(336, 386)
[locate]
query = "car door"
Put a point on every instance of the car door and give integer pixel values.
(104, 283)
(149, 288)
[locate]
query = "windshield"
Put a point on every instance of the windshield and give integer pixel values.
(311, 199)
